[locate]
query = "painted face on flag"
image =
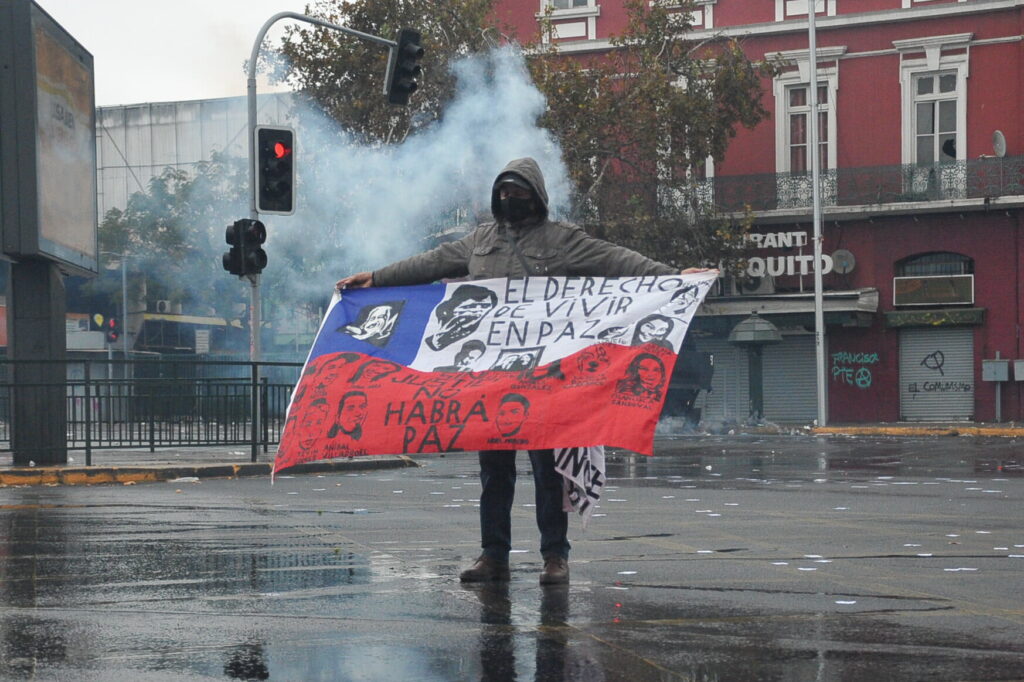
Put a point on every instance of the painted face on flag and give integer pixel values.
(512, 412)
(651, 373)
(312, 425)
(644, 377)
(460, 315)
(350, 415)
(375, 323)
(653, 329)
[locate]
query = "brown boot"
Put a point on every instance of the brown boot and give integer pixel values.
(485, 570)
(556, 571)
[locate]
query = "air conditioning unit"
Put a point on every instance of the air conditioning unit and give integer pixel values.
(752, 286)
(163, 307)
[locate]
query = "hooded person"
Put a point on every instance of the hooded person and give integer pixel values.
(521, 241)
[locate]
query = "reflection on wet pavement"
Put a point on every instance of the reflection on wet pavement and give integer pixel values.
(719, 559)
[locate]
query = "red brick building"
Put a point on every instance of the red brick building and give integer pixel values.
(922, 191)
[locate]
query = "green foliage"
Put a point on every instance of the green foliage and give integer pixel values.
(173, 235)
(637, 125)
(338, 72)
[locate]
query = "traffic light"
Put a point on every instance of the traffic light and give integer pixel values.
(275, 170)
(404, 67)
(246, 256)
(113, 327)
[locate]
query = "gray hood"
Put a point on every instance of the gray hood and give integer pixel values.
(527, 169)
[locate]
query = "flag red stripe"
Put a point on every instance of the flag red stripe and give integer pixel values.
(350, 404)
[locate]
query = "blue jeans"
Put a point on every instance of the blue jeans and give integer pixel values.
(498, 479)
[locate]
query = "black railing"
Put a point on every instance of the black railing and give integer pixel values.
(160, 403)
(975, 179)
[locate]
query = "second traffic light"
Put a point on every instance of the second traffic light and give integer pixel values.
(275, 170)
(246, 256)
(404, 67)
(113, 328)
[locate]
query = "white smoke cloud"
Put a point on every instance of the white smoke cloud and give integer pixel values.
(362, 207)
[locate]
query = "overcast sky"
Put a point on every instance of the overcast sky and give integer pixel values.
(168, 50)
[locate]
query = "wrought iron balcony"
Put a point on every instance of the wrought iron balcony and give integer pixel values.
(876, 185)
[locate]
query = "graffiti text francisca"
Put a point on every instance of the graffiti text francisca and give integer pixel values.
(850, 368)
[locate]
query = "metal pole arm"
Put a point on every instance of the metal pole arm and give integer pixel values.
(309, 20)
(251, 89)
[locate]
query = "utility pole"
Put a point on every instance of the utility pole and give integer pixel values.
(819, 316)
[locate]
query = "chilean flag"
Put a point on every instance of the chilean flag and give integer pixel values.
(497, 364)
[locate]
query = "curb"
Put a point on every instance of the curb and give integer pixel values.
(128, 475)
(995, 431)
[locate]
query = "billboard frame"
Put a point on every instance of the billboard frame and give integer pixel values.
(23, 146)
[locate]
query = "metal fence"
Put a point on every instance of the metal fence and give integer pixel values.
(160, 402)
(974, 179)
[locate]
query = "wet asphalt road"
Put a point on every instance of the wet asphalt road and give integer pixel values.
(722, 558)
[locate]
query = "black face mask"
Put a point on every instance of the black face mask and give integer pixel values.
(514, 209)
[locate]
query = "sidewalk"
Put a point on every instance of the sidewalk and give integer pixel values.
(130, 466)
(1001, 430)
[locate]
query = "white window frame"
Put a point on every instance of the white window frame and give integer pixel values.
(702, 18)
(933, 61)
(788, 9)
(827, 76)
(583, 18)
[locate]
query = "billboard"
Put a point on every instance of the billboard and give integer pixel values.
(47, 141)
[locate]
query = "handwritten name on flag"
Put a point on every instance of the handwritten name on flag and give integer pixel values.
(516, 364)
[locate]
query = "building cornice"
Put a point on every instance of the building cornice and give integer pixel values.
(867, 211)
(822, 23)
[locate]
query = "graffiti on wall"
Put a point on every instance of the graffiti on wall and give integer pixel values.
(936, 361)
(853, 369)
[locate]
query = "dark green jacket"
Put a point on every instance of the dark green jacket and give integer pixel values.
(547, 248)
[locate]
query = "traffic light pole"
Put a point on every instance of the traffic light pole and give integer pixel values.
(254, 320)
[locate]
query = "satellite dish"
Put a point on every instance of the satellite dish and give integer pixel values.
(999, 143)
(843, 261)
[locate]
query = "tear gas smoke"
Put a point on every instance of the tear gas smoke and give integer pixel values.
(361, 207)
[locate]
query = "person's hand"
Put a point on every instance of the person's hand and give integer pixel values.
(693, 271)
(360, 280)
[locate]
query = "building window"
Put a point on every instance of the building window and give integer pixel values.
(569, 19)
(938, 263)
(935, 117)
(702, 16)
(792, 126)
(798, 127)
(933, 80)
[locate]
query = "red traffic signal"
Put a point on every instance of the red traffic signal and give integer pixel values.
(113, 329)
(275, 170)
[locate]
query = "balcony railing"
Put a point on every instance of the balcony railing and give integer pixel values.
(875, 185)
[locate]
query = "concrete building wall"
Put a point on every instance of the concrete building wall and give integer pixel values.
(136, 142)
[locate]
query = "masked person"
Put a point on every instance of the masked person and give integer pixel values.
(522, 241)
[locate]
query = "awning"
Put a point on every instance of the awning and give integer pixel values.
(851, 308)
